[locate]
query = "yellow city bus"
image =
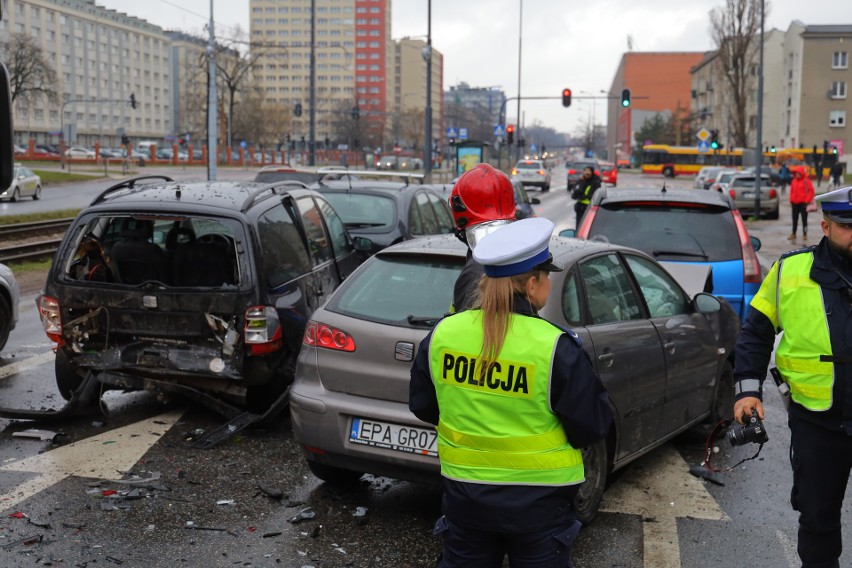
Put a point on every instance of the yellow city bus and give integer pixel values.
(673, 161)
(805, 157)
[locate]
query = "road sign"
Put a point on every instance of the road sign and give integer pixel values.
(703, 146)
(452, 132)
(533, 147)
(499, 130)
(703, 134)
(462, 133)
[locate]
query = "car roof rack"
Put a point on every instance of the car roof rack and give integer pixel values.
(337, 170)
(272, 188)
(126, 184)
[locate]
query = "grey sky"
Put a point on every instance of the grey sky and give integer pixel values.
(565, 43)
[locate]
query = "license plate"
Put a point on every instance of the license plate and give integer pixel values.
(408, 439)
(748, 195)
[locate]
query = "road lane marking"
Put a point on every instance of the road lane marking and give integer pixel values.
(25, 365)
(660, 489)
(789, 548)
(89, 457)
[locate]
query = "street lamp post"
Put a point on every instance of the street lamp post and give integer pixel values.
(427, 116)
(758, 152)
(518, 133)
(212, 107)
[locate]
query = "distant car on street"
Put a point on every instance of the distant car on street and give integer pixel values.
(532, 172)
(741, 190)
(706, 176)
(79, 152)
(25, 183)
(609, 173)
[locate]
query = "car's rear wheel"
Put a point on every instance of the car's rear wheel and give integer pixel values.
(16, 194)
(546, 187)
(37, 194)
(590, 494)
(334, 475)
(5, 321)
(773, 215)
(68, 377)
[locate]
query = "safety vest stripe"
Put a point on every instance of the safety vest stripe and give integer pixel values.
(560, 459)
(814, 366)
(545, 441)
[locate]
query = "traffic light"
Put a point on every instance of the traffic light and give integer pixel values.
(625, 98)
(510, 134)
(714, 139)
(834, 149)
(125, 140)
(452, 141)
(566, 97)
(772, 149)
(132, 101)
(356, 113)
(298, 110)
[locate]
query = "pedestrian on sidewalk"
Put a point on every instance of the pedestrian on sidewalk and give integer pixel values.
(836, 174)
(801, 193)
(785, 175)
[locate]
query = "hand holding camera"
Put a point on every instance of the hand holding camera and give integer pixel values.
(753, 431)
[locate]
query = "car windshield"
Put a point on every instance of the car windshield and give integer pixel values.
(682, 232)
(528, 165)
(583, 165)
(361, 210)
(382, 291)
(725, 177)
(273, 176)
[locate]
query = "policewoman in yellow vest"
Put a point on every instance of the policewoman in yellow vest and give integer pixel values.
(514, 399)
(807, 295)
(586, 187)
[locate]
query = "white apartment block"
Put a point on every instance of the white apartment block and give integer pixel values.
(101, 57)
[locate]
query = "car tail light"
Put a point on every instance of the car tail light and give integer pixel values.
(572, 172)
(586, 227)
(51, 318)
(321, 335)
(514, 171)
(540, 172)
(751, 264)
(710, 181)
(733, 193)
(773, 194)
(262, 330)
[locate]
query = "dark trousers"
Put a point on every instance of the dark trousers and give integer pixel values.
(821, 461)
(579, 210)
(472, 548)
(800, 209)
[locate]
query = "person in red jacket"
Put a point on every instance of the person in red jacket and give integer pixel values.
(801, 193)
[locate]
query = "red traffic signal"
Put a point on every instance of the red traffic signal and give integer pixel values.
(510, 134)
(566, 97)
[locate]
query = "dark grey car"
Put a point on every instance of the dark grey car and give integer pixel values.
(665, 357)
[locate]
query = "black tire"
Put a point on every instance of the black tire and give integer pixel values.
(5, 321)
(668, 172)
(37, 194)
(16, 195)
(773, 215)
(68, 378)
(334, 475)
(588, 499)
(545, 188)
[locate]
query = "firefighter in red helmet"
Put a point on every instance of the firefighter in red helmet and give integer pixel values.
(482, 200)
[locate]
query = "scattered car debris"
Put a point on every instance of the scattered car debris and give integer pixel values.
(272, 492)
(360, 515)
(43, 435)
(226, 502)
(305, 514)
(26, 541)
(271, 534)
(136, 480)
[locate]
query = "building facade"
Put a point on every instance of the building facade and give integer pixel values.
(815, 89)
(101, 58)
(409, 94)
(659, 82)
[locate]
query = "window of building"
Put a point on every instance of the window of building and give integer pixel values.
(840, 60)
(838, 90)
(837, 118)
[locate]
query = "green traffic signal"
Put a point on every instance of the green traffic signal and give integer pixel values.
(625, 98)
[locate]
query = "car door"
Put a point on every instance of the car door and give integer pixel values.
(323, 269)
(627, 350)
(345, 258)
(688, 344)
(29, 182)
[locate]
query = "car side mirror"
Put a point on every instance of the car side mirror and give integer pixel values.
(707, 303)
(535, 201)
(568, 233)
(755, 243)
(362, 244)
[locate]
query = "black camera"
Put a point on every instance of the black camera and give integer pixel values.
(752, 432)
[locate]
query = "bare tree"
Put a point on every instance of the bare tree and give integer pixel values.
(348, 130)
(735, 31)
(31, 76)
(259, 121)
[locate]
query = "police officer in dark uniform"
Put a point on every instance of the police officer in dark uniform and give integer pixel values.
(808, 295)
(482, 200)
(509, 432)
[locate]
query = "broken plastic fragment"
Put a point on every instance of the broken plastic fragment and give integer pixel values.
(269, 491)
(303, 515)
(226, 502)
(36, 434)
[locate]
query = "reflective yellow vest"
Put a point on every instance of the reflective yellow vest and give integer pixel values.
(499, 428)
(587, 198)
(793, 303)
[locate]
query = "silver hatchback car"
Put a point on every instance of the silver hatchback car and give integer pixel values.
(25, 183)
(663, 355)
(532, 172)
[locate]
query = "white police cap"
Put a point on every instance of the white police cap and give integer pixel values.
(837, 204)
(516, 248)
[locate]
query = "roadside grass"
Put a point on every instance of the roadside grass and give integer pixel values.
(44, 216)
(50, 176)
(22, 266)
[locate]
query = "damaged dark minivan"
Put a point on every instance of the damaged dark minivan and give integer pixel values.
(196, 288)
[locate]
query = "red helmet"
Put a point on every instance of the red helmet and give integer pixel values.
(482, 194)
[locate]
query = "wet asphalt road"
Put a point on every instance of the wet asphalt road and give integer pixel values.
(59, 511)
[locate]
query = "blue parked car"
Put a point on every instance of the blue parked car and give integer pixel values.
(681, 225)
